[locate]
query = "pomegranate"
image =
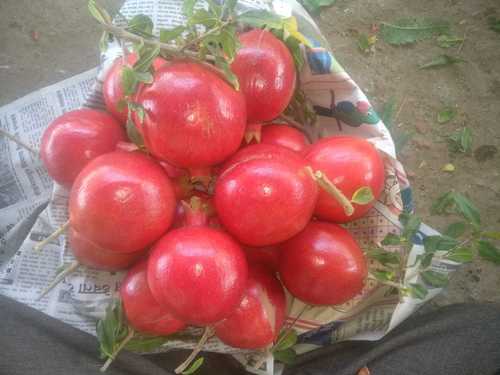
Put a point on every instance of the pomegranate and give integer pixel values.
(285, 136)
(350, 163)
(75, 138)
(267, 256)
(122, 201)
(266, 74)
(193, 118)
(197, 273)
(322, 265)
(143, 313)
(257, 321)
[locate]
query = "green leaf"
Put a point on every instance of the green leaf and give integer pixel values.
(188, 7)
(133, 134)
(425, 259)
(194, 366)
(221, 63)
(488, 251)
(129, 80)
(99, 13)
(203, 17)
(287, 356)
(363, 196)
(384, 257)
(460, 141)
(439, 243)
(446, 114)
(103, 41)
(456, 229)
(294, 48)
(214, 8)
(140, 24)
(411, 224)
(492, 235)
(418, 291)
(146, 58)
(383, 275)
(461, 255)
(111, 329)
(315, 6)
(465, 207)
(391, 239)
(286, 340)
(443, 203)
(448, 41)
(411, 30)
(494, 23)
(261, 19)
(440, 61)
(146, 343)
(167, 35)
(435, 279)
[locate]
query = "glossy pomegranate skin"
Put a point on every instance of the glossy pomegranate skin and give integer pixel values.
(93, 256)
(194, 118)
(197, 273)
(322, 265)
(143, 313)
(266, 73)
(257, 321)
(267, 256)
(265, 201)
(112, 86)
(350, 163)
(122, 201)
(75, 138)
(285, 136)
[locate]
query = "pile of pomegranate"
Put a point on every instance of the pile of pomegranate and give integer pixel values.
(213, 229)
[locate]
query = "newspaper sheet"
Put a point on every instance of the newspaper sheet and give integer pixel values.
(81, 298)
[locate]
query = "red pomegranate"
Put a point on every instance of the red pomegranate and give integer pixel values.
(75, 138)
(350, 163)
(257, 321)
(143, 313)
(193, 118)
(266, 74)
(322, 265)
(122, 201)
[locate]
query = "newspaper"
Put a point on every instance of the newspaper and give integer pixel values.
(32, 207)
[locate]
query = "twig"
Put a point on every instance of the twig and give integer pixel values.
(19, 142)
(53, 236)
(206, 335)
(400, 108)
(71, 268)
(386, 282)
(129, 337)
(204, 35)
(463, 42)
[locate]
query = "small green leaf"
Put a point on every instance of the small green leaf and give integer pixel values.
(261, 19)
(460, 255)
(488, 251)
(384, 257)
(99, 13)
(363, 196)
(411, 30)
(460, 141)
(440, 61)
(425, 259)
(286, 340)
(144, 77)
(439, 243)
(167, 35)
(411, 224)
(296, 51)
(391, 239)
(492, 235)
(221, 63)
(188, 7)
(133, 134)
(448, 41)
(443, 203)
(383, 275)
(146, 343)
(287, 356)
(129, 80)
(465, 207)
(203, 17)
(456, 229)
(194, 366)
(446, 115)
(435, 279)
(314, 6)
(146, 58)
(418, 291)
(140, 24)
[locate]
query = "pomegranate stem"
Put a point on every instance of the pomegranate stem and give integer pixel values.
(206, 335)
(40, 245)
(70, 269)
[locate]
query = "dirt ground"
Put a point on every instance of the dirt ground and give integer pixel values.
(44, 42)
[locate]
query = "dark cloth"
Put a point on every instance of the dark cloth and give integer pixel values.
(456, 340)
